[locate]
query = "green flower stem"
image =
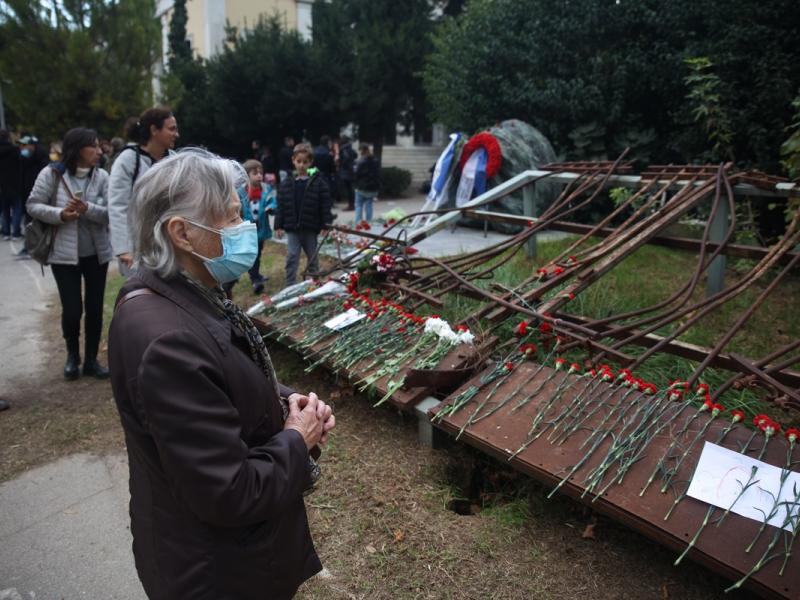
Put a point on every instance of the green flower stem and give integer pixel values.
(651, 425)
(777, 500)
(723, 434)
(664, 457)
(750, 481)
(522, 385)
(620, 404)
(441, 350)
(575, 410)
(700, 433)
(696, 536)
(535, 392)
(767, 556)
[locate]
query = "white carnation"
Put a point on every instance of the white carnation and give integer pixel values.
(466, 337)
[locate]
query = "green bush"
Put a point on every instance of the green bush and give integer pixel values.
(394, 181)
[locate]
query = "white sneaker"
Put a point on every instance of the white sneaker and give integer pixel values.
(6, 238)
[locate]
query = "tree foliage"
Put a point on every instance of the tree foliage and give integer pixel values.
(597, 76)
(362, 65)
(78, 62)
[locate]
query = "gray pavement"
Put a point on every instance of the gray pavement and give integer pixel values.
(25, 296)
(64, 532)
(446, 242)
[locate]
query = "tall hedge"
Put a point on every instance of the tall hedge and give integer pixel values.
(599, 75)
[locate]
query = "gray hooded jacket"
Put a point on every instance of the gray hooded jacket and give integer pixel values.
(120, 193)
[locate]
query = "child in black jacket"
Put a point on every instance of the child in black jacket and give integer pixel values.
(304, 209)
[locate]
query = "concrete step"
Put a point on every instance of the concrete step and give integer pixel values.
(417, 159)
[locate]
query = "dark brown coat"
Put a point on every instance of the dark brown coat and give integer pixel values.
(217, 511)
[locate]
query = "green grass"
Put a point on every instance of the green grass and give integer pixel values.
(648, 276)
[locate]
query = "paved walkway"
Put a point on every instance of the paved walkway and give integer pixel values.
(25, 297)
(64, 532)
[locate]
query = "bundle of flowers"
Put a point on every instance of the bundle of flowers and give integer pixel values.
(363, 226)
(383, 262)
(446, 339)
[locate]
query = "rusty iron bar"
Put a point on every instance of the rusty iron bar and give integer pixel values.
(432, 300)
(763, 363)
(743, 318)
(718, 299)
(628, 241)
(763, 375)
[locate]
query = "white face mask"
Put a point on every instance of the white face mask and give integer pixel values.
(81, 172)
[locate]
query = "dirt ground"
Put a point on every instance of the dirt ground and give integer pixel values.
(383, 515)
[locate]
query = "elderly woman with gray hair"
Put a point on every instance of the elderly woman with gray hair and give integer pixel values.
(220, 452)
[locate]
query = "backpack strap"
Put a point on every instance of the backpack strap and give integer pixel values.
(145, 291)
(138, 161)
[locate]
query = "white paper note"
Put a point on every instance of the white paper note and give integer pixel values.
(721, 474)
(344, 319)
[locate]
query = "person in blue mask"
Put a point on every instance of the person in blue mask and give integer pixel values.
(220, 451)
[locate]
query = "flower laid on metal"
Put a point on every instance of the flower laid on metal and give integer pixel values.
(383, 262)
(434, 328)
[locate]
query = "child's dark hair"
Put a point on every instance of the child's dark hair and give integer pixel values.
(139, 130)
(74, 140)
(364, 149)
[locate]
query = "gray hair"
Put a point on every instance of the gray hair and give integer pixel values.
(192, 183)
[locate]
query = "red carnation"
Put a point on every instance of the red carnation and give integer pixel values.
(522, 329)
(527, 349)
(411, 250)
(792, 434)
(737, 415)
(462, 328)
(545, 328)
(760, 420)
(508, 366)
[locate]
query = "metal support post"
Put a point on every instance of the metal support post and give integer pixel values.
(529, 209)
(716, 270)
(428, 435)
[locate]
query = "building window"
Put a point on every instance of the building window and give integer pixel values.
(304, 19)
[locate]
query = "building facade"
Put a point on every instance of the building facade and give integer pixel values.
(205, 27)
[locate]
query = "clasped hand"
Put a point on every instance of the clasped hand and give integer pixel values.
(74, 209)
(311, 417)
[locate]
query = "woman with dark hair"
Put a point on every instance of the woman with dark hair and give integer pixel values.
(153, 135)
(72, 196)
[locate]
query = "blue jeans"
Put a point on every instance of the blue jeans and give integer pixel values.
(306, 241)
(12, 215)
(363, 204)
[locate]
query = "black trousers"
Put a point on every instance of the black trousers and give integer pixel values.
(68, 279)
(349, 192)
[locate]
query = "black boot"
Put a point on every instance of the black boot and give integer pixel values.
(93, 368)
(72, 368)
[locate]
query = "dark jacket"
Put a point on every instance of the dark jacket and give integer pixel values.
(312, 213)
(368, 175)
(347, 160)
(323, 160)
(285, 159)
(30, 168)
(216, 485)
(9, 170)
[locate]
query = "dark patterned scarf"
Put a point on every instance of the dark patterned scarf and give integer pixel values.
(258, 349)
